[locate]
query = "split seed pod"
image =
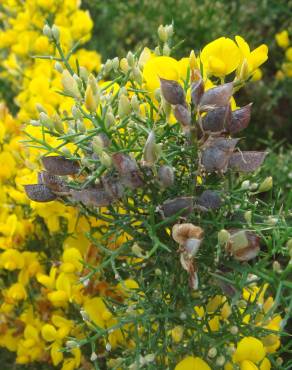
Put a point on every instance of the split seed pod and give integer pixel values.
(54, 183)
(96, 197)
(60, 166)
(172, 91)
(243, 245)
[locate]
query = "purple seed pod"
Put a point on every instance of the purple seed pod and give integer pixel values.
(218, 96)
(172, 206)
(197, 91)
(54, 183)
(243, 245)
(182, 114)
(216, 155)
(113, 187)
(240, 119)
(172, 92)
(128, 170)
(209, 200)
(165, 176)
(95, 197)
(39, 193)
(217, 120)
(61, 166)
(246, 161)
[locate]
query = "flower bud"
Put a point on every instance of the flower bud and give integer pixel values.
(56, 33)
(177, 333)
(212, 353)
(105, 160)
(109, 118)
(266, 185)
(131, 59)
(58, 67)
(172, 91)
(108, 66)
(116, 63)
(40, 108)
(70, 85)
(277, 267)
(243, 72)
(223, 237)
(248, 216)
(58, 123)
(47, 31)
(157, 51)
(245, 185)
(83, 73)
(71, 344)
(46, 121)
(169, 30)
(124, 108)
(93, 357)
(124, 65)
(91, 100)
(137, 250)
(166, 49)
(97, 145)
(193, 60)
(162, 33)
(165, 176)
(220, 361)
(137, 75)
(151, 150)
(80, 127)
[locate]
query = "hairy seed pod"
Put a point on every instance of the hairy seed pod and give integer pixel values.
(209, 200)
(197, 91)
(112, 186)
(218, 96)
(246, 161)
(165, 176)
(182, 114)
(39, 193)
(185, 205)
(243, 245)
(217, 120)
(60, 166)
(240, 119)
(172, 92)
(95, 197)
(54, 183)
(181, 233)
(128, 170)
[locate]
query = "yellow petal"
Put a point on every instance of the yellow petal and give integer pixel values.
(249, 348)
(192, 363)
(164, 67)
(49, 333)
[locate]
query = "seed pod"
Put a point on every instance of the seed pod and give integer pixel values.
(54, 183)
(112, 186)
(128, 170)
(197, 91)
(39, 193)
(182, 114)
(165, 176)
(172, 92)
(172, 206)
(61, 166)
(217, 120)
(240, 119)
(216, 155)
(218, 96)
(209, 200)
(246, 161)
(96, 197)
(181, 233)
(243, 245)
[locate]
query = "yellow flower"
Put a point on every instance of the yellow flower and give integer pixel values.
(282, 39)
(192, 363)
(288, 54)
(11, 259)
(71, 260)
(249, 348)
(248, 365)
(254, 58)
(220, 57)
(16, 292)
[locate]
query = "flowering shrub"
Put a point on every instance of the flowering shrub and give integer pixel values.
(170, 265)
(282, 39)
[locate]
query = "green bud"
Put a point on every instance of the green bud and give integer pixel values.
(47, 31)
(108, 66)
(109, 118)
(116, 63)
(124, 108)
(169, 30)
(46, 121)
(248, 216)
(76, 113)
(70, 85)
(166, 49)
(220, 361)
(97, 145)
(56, 32)
(266, 185)
(162, 33)
(58, 67)
(80, 126)
(40, 108)
(83, 73)
(223, 237)
(105, 160)
(137, 75)
(277, 267)
(135, 104)
(157, 51)
(245, 185)
(212, 352)
(131, 59)
(58, 123)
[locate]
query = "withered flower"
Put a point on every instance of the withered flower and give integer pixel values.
(243, 245)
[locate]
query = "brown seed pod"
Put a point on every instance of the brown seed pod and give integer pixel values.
(183, 115)
(128, 169)
(217, 120)
(54, 183)
(218, 96)
(243, 245)
(61, 166)
(172, 206)
(39, 193)
(172, 92)
(240, 119)
(113, 187)
(95, 197)
(246, 161)
(183, 232)
(165, 176)
(209, 200)
(197, 91)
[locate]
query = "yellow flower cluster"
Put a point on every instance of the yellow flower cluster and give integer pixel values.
(282, 39)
